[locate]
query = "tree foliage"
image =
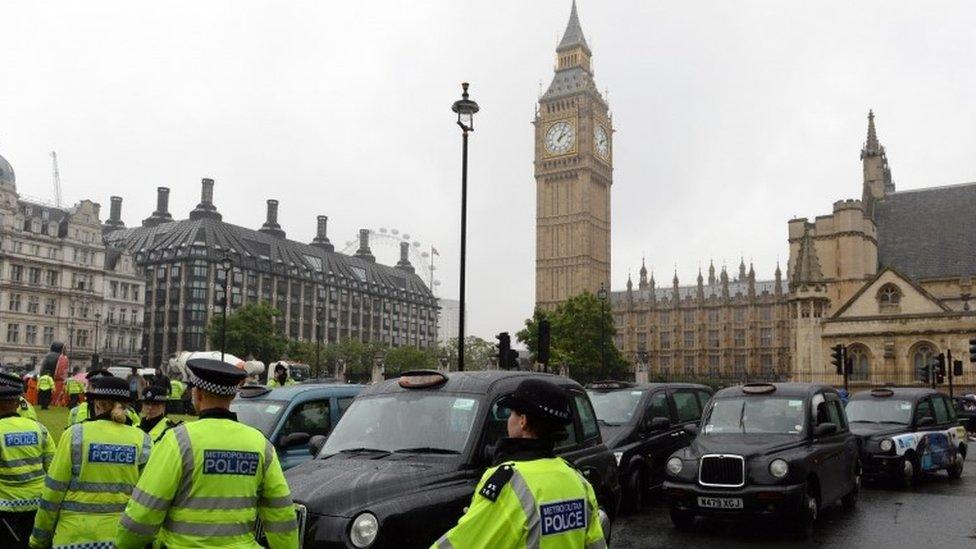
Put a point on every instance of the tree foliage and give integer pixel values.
(581, 338)
(251, 332)
(477, 353)
(403, 359)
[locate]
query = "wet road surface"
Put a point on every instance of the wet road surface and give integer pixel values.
(938, 512)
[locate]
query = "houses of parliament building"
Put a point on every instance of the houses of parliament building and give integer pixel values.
(889, 276)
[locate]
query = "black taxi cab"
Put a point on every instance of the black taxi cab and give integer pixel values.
(767, 450)
(906, 432)
(404, 460)
(643, 424)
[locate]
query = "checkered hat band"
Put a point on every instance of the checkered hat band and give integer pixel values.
(211, 387)
(109, 392)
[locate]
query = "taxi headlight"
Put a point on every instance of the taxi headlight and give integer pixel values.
(675, 465)
(618, 456)
(779, 468)
(887, 444)
(363, 531)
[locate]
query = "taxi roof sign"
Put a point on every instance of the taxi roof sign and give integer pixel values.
(758, 388)
(253, 390)
(421, 379)
(609, 385)
(881, 393)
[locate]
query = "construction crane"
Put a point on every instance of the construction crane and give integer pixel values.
(57, 180)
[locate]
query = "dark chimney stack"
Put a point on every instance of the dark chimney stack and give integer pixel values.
(321, 237)
(161, 215)
(114, 217)
(271, 222)
(364, 252)
(404, 263)
(206, 207)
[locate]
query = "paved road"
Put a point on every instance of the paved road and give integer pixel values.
(937, 513)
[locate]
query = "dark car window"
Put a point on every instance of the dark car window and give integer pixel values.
(616, 407)
(941, 410)
(657, 406)
(686, 405)
(952, 412)
(587, 417)
(836, 414)
(309, 417)
(750, 416)
(497, 428)
(703, 397)
(923, 410)
(344, 403)
(260, 414)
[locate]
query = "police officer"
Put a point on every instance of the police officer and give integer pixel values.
(26, 450)
(75, 389)
(154, 420)
(24, 409)
(176, 389)
(82, 411)
(531, 498)
(45, 385)
(281, 377)
(95, 468)
(208, 480)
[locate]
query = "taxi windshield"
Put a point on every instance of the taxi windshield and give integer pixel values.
(615, 407)
(751, 415)
(260, 414)
(886, 410)
(408, 422)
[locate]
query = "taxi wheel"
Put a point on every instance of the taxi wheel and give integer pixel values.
(849, 502)
(909, 472)
(634, 491)
(682, 520)
(955, 470)
(809, 508)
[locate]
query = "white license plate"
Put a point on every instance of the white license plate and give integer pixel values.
(720, 503)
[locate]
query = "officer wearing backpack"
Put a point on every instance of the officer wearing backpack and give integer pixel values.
(531, 498)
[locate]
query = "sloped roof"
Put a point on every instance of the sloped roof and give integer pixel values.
(213, 239)
(928, 233)
(574, 33)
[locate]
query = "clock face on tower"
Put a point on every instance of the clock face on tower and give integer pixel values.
(560, 137)
(601, 142)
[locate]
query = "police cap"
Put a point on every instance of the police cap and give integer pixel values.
(103, 385)
(539, 398)
(155, 393)
(214, 376)
(11, 386)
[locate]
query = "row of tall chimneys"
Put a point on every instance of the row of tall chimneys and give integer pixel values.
(206, 209)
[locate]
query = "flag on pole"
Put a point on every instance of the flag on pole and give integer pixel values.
(433, 251)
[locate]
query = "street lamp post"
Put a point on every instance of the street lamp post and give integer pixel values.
(227, 265)
(465, 109)
(602, 294)
(318, 339)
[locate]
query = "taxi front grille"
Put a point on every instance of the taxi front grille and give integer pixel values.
(722, 471)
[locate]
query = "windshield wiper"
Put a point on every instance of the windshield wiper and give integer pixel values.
(607, 423)
(425, 450)
(363, 449)
(862, 421)
(891, 422)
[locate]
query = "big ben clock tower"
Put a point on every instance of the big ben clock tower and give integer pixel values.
(573, 174)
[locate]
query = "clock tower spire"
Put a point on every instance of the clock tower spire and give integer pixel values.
(573, 174)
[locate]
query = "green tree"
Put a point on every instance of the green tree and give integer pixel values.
(581, 338)
(477, 353)
(251, 332)
(402, 359)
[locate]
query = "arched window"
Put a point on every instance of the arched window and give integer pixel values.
(861, 363)
(921, 357)
(889, 296)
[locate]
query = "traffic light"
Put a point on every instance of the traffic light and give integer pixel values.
(972, 350)
(512, 362)
(957, 368)
(543, 349)
(504, 346)
(939, 367)
(837, 359)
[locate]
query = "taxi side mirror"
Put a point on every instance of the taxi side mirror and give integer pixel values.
(315, 444)
(825, 429)
(293, 439)
(691, 429)
(657, 424)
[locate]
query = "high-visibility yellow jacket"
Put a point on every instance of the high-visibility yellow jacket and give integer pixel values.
(542, 503)
(274, 382)
(80, 413)
(45, 383)
(230, 477)
(95, 468)
(26, 410)
(74, 386)
(26, 450)
(159, 428)
(176, 388)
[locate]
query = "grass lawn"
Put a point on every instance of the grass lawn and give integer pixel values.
(56, 420)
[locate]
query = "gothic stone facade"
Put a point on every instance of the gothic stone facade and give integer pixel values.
(573, 173)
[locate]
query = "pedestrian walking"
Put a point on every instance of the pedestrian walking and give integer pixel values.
(208, 480)
(45, 386)
(154, 420)
(26, 450)
(95, 468)
(176, 390)
(531, 498)
(75, 388)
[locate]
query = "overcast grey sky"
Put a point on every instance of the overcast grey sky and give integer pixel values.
(731, 117)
